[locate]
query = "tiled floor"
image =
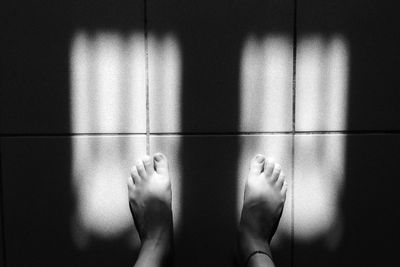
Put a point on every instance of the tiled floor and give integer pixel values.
(74, 114)
(86, 219)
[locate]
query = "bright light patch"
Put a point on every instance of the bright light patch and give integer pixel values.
(319, 180)
(321, 104)
(322, 80)
(266, 84)
(108, 95)
(100, 170)
(108, 83)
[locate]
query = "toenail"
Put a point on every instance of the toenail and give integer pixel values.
(260, 158)
(157, 157)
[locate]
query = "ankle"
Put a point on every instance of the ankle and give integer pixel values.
(158, 240)
(154, 252)
(248, 243)
(159, 249)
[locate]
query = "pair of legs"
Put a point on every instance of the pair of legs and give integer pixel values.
(150, 197)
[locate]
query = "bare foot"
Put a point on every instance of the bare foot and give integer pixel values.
(150, 196)
(264, 197)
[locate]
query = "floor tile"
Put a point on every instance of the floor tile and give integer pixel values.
(207, 176)
(165, 84)
(64, 199)
(343, 214)
(62, 58)
(108, 92)
(220, 66)
(346, 69)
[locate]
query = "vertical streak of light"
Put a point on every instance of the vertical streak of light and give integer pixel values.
(250, 93)
(108, 73)
(135, 93)
(322, 105)
(80, 101)
(310, 70)
(276, 73)
(337, 79)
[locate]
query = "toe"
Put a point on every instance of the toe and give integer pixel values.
(141, 170)
(161, 163)
(135, 175)
(276, 172)
(269, 166)
(148, 165)
(257, 164)
(131, 185)
(131, 188)
(284, 188)
(281, 180)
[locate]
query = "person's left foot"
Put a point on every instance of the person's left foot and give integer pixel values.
(150, 196)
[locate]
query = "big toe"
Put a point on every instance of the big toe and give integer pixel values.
(148, 164)
(257, 164)
(269, 166)
(161, 163)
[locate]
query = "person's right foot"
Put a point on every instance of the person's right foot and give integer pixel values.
(264, 197)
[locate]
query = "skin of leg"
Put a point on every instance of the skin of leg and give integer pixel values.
(149, 190)
(264, 197)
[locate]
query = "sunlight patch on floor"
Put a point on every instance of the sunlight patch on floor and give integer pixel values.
(108, 96)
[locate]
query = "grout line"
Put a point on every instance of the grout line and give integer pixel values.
(354, 132)
(2, 222)
(294, 133)
(220, 134)
(49, 135)
(146, 48)
(293, 129)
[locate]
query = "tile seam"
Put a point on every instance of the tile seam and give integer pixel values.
(296, 133)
